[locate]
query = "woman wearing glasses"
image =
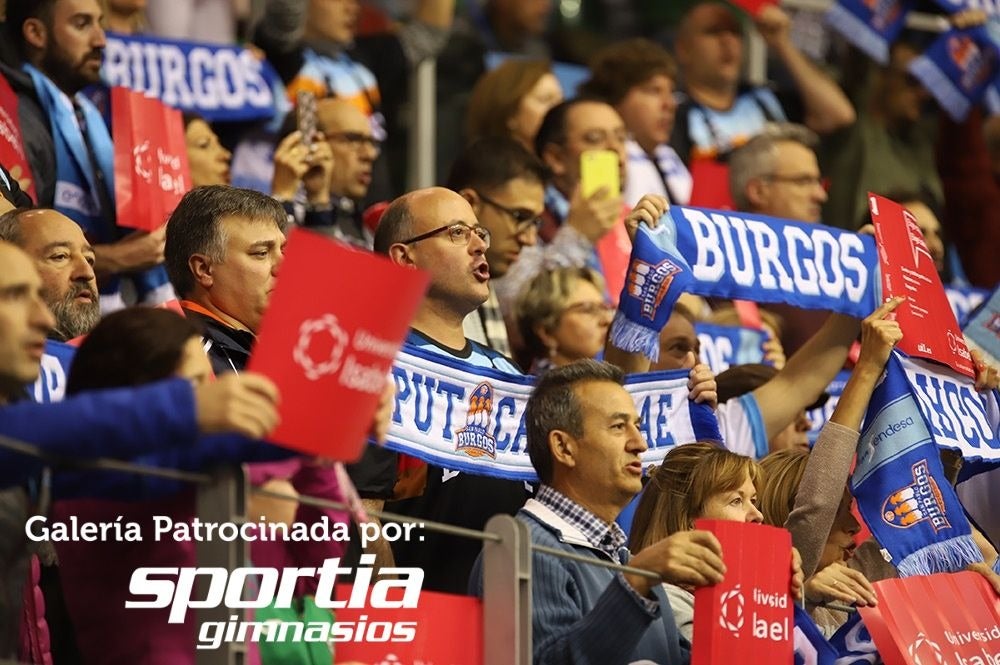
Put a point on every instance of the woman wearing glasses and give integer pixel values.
(563, 316)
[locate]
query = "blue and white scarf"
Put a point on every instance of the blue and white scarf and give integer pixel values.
(50, 386)
(76, 184)
(964, 300)
(471, 419)
(870, 26)
(819, 417)
(765, 259)
(982, 330)
(850, 645)
(657, 276)
(219, 83)
(958, 67)
(725, 346)
(902, 492)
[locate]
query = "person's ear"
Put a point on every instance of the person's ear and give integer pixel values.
(546, 337)
(472, 197)
(563, 448)
(35, 33)
(757, 193)
(554, 156)
(201, 269)
(400, 255)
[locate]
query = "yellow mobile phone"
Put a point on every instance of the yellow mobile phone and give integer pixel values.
(599, 168)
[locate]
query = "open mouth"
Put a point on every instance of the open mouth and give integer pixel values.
(482, 271)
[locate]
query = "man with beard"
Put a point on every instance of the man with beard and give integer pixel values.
(69, 149)
(64, 260)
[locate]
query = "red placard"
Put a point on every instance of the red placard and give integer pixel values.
(752, 7)
(711, 184)
(613, 251)
(747, 618)
(151, 165)
(961, 625)
(447, 630)
(335, 322)
(926, 318)
(12, 154)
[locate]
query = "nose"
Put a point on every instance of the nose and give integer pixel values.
(802, 423)
(853, 527)
(528, 237)
(277, 262)
(476, 244)
(754, 515)
(819, 193)
(41, 317)
(636, 441)
(100, 38)
(82, 270)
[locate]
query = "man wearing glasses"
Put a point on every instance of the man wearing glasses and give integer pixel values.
(507, 195)
(335, 207)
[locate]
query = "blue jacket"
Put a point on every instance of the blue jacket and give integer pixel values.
(587, 615)
(153, 424)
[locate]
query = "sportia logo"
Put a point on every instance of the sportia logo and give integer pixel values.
(254, 588)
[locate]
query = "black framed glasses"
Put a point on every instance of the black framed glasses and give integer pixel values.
(459, 233)
(357, 140)
(803, 180)
(525, 219)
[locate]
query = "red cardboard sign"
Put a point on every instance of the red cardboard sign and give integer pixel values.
(711, 184)
(960, 627)
(752, 7)
(447, 630)
(336, 320)
(12, 154)
(926, 318)
(151, 165)
(747, 618)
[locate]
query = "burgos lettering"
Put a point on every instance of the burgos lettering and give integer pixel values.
(648, 283)
(474, 439)
(921, 501)
(814, 262)
(174, 588)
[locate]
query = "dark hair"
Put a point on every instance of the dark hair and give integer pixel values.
(553, 405)
(619, 67)
(491, 162)
(19, 11)
(130, 347)
(194, 227)
(395, 224)
(10, 226)
(553, 127)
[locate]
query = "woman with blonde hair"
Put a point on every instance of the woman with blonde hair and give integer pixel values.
(563, 316)
(511, 101)
(695, 481)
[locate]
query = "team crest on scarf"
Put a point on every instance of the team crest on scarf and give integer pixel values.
(649, 283)
(474, 439)
(920, 501)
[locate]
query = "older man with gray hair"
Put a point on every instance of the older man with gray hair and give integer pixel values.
(776, 173)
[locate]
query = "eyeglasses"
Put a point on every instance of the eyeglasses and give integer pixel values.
(357, 140)
(458, 233)
(803, 180)
(595, 309)
(525, 219)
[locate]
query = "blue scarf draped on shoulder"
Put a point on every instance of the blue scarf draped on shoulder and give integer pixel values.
(76, 183)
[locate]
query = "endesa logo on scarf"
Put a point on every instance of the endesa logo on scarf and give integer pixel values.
(746, 618)
(961, 626)
(329, 348)
(928, 324)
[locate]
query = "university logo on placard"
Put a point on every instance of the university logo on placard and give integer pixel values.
(921, 501)
(320, 347)
(731, 614)
(474, 439)
(649, 283)
(925, 651)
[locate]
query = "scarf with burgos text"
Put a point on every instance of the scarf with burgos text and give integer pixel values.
(470, 418)
(899, 482)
